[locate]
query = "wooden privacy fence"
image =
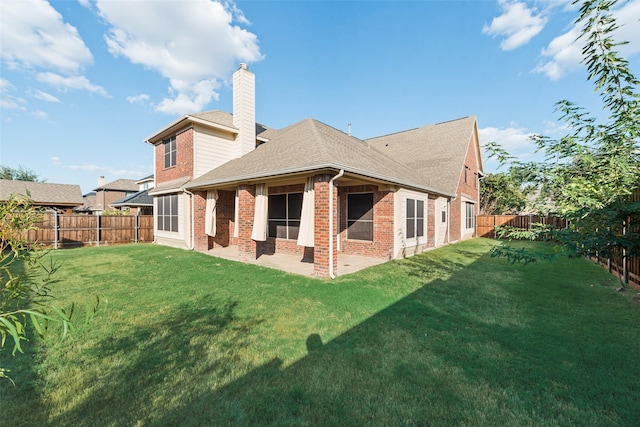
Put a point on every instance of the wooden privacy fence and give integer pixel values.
(487, 224)
(627, 268)
(57, 230)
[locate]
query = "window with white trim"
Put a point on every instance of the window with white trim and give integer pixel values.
(414, 218)
(360, 216)
(284, 215)
(169, 152)
(167, 212)
(470, 215)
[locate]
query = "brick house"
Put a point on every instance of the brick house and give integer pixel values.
(309, 189)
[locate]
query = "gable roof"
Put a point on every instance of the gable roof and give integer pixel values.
(437, 152)
(214, 118)
(43, 193)
(141, 198)
(310, 145)
(119, 185)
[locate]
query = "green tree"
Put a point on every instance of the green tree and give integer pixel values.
(501, 194)
(592, 173)
(19, 174)
(26, 274)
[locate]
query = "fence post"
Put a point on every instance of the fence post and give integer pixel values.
(55, 229)
(98, 231)
(495, 221)
(136, 232)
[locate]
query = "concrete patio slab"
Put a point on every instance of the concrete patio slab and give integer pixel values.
(295, 264)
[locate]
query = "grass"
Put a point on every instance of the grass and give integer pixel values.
(449, 337)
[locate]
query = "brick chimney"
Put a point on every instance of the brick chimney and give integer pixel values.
(244, 108)
(101, 181)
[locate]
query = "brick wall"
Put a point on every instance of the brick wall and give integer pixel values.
(184, 159)
(321, 225)
(246, 206)
(431, 221)
(383, 224)
(469, 189)
(201, 239)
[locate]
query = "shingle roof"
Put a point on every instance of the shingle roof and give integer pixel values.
(170, 186)
(42, 193)
(311, 145)
(119, 185)
(436, 152)
(141, 198)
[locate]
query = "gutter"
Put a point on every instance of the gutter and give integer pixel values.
(261, 175)
(331, 274)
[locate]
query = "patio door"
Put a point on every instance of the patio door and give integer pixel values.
(441, 221)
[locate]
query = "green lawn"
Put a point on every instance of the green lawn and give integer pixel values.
(449, 337)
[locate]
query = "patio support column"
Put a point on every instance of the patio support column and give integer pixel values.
(201, 239)
(246, 207)
(321, 221)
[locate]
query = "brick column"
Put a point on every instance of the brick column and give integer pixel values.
(199, 208)
(321, 225)
(246, 208)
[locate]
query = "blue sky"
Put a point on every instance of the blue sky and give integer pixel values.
(84, 83)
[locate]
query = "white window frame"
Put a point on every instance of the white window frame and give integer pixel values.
(172, 214)
(170, 152)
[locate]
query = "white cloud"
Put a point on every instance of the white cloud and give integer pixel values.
(40, 115)
(11, 103)
(44, 96)
(194, 47)
(564, 53)
(511, 139)
(34, 34)
(74, 82)
(132, 170)
(518, 24)
(138, 98)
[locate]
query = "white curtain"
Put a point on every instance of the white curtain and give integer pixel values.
(236, 215)
(210, 214)
(305, 236)
(260, 214)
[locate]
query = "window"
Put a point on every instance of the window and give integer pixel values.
(470, 215)
(466, 174)
(284, 215)
(169, 152)
(444, 215)
(415, 218)
(168, 213)
(360, 216)
(475, 180)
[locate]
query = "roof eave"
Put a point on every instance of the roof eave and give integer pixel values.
(181, 123)
(315, 168)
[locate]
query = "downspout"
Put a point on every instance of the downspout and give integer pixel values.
(192, 239)
(331, 275)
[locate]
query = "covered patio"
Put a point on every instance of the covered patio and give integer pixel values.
(294, 263)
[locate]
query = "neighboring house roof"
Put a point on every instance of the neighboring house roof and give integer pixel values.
(436, 152)
(310, 145)
(141, 198)
(145, 179)
(89, 203)
(43, 193)
(119, 185)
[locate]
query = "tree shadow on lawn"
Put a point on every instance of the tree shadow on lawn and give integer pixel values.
(432, 358)
(145, 372)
